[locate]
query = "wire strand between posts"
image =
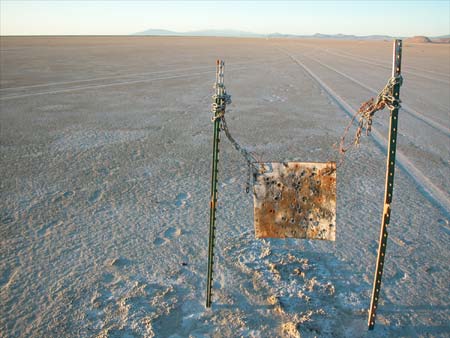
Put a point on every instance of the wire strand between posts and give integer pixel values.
(365, 115)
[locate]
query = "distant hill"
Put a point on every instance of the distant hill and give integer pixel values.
(163, 32)
(226, 32)
(210, 32)
(418, 39)
(441, 39)
(237, 33)
(244, 34)
(351, 37)
(158, 32)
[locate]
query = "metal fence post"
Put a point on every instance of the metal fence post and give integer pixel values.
(218, 109)
(389, 187)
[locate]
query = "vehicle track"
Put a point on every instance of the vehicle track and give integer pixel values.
(119, 76)
(436, 125)
(380, 64)
(73, 89)
(102, 78)
(438, 197)
(95, 86)
(373, 63)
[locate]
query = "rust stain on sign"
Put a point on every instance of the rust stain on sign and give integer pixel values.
(296, 199)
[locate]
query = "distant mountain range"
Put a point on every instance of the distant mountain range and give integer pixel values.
(332, 36)
(210, 32)
(237, 33)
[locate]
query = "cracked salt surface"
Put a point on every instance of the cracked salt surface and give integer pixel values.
(105, 193)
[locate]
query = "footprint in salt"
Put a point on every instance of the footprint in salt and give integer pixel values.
(63, 197)
(159, 241)
(119, 262)
(444, 225)
(181, 199)
(169, 234)
(172, 233)
(95, 196)
(47, 228)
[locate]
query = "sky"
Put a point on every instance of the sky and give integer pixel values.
(395, 18)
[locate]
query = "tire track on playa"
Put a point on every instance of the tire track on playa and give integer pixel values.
(102, 78)
(95, 86)
(373, 63)
(73, 89)
(430, 190)
(348, 56)
(407, 109)
(119, 76)
(380, 64)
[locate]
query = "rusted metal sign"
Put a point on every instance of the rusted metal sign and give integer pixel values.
(296, 199)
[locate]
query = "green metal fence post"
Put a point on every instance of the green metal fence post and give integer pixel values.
(220, 101)
(389, 187)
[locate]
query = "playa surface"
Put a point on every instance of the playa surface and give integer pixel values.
(105, 148)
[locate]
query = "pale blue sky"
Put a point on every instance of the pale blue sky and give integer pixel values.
(396, 18)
